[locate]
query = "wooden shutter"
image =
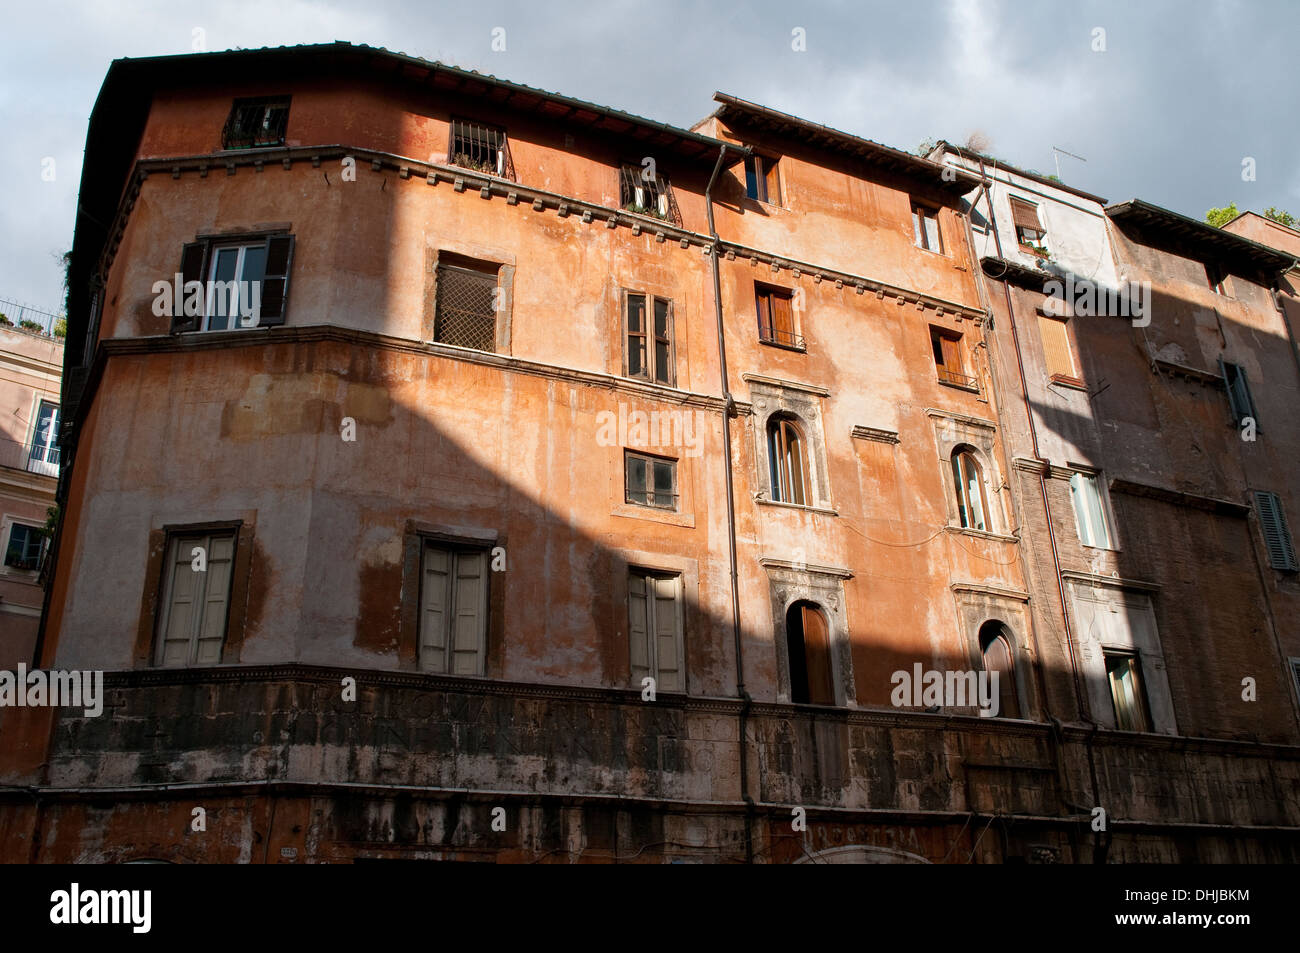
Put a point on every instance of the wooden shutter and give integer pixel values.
(1056, 347)
(951, 354)
(997, 658)
(193, 257)
(1239, 397)
(817, 651)
(182, 603)
(782, 319)
(216, 595)
(1025, 215)
(1277, 535)
(638, 611)
(667, 619)
(773, 182)
(764, 301)
(470, 613)
(434, 608)
(275, 282)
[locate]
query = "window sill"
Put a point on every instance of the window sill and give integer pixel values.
(931, 251)
(761, 204)
(653, 514)
(981, 534)
(827, 511)
(969, 388)
(1073, 383)
(797, 348)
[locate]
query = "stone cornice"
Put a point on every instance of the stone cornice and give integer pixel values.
(777, 382)
(1112, 582)
(873, 433)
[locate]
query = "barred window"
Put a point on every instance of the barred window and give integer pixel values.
(256, 123)
(480, 147)
(647, 192)
(467, 301)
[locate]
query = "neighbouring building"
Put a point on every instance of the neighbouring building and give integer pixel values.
(30, 367)
(577, 487)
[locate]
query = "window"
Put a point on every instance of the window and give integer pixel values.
(1089, 510)
(761, 183)
(196, 597)
(1295, 674)
(647, 192)
(807, 639)
(256, 123)
(43, 457)
(995, 645)
(1217, 278)
(925, 228)
(26, 547)
(244, 282)
(1124, 673)
(1239, 397)
(968, 480)
(1277, 535)
(789, 466)
(481, 148)
(1030, 234)
(649, 350)
(650, 481)
(1056, 349)
(776, 317)
(453, 609)
(466, 299)
(654, 609)
(946, 346)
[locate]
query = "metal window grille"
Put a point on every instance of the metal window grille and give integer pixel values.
(647, 194)
(256, 123)
(465, 316)
(481, 148)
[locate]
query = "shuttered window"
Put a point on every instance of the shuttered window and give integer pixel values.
(466, 304)
(649, 322)
(761, 182)
(241, 283)
(1056, 348)
(1240, 399)
(655, 627)
(946, 347)
(1127, 693)
(195, 599)
(808, 643)
(776, 317)
(1277, 535)
(453, 609)
(1029, 229)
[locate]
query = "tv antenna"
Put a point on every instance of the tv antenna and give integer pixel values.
(1056, 156)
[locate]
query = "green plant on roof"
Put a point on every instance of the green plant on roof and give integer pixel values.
(61, 328)
(1218, 217)
(1280, 216)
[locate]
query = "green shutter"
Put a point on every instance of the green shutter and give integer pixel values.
(1277, 536)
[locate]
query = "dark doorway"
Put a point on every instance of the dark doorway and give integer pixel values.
(995, 644)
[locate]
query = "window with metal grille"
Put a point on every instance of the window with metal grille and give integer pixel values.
(26, 547)
(650, 481)
(480, 147)
(649, 338)
(776, 317)
(466, 304)
(256, 123)
(647, 192)
(1277, 535)
(1239, 397)
(946, 347)
(1030, 233)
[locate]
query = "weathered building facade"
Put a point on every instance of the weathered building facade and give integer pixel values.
(576, 491)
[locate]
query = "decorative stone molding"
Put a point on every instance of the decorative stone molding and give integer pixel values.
(823, 586)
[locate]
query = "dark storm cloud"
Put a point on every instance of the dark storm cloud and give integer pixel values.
(1183, 92)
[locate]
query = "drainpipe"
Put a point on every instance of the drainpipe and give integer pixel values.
(1042, 476)
(730, 411)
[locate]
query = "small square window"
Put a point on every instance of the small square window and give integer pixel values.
(195, 599)
(481, 148)
(776, 317)
(26, 547)
(466, 304)
(946, 347)
(256, 123)
(650, 481)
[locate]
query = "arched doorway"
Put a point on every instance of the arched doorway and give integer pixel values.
(996, 646)
(808, 643)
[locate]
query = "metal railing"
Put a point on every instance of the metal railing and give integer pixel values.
(38, 457)
(958, 380)
(15, 313)
(481, 148)
(780, 336)
(646, 194)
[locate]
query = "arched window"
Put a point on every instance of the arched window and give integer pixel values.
(995, 644)
(968, 481)
(807, 639)
(789, 464)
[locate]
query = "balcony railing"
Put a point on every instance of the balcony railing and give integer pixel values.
(32, 457)
(648, 194)
(481, 149)
(957, 379)
(781, 337)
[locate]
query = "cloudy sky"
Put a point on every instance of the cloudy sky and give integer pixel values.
(1183, 91)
